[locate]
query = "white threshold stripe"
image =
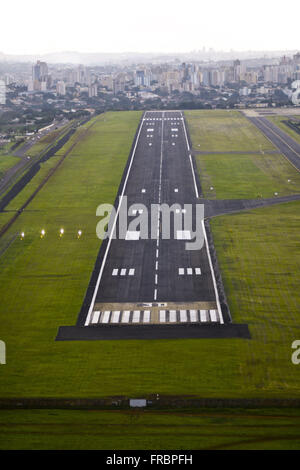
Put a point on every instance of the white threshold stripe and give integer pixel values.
(212, 274)
(87, 321)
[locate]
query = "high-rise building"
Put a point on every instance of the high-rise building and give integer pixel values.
(40, 75)
(142, 78)
(93, 90)
(2, 92)
(296, 58)
(61, 88)
(40, 71)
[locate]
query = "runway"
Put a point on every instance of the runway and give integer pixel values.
(287, 146)
(146, 285)
(144, 273)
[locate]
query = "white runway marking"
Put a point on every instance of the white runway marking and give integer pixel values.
(213, 275)
(115, 272)
(123, 272)
(162, 316)
(105, 317)
(146, 318)
(183, 316)
(203, 317)
(181, 271)
(131, 235)
(183, 235)
(193, 316)
(125, 316)
(197, 271)
(131, 272)
(96, 317)
(213, 315)
(189, 271)
(115, 317)
(136, 316)
(173, 316)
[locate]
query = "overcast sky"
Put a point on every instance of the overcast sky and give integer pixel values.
(37, 27)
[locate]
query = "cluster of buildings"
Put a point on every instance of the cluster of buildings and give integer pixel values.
(2, 92)
(33, 95)
(164, 79)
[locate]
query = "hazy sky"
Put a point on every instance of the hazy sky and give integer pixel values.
(36, 26)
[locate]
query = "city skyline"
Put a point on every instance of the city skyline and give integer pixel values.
(159, 27)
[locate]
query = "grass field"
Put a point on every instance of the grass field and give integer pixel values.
(7, 162)
(235, 175)
(225, 131)
(246, 176)
(185, 429)
(279, 121)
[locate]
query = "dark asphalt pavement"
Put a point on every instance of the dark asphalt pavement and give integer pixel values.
(287, 146)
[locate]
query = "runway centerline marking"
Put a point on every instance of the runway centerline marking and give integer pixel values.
(159, 202)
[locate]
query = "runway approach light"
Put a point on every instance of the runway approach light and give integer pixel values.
(43, 233)
(211, 188)
(22, 235)
(79, 233)
(275, 194)
(289, 181)
(61, 232)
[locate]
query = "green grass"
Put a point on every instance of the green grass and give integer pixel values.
(279, 121)
(260, 263)
(4, 218)
(225, 131)
(145, 429)
(246, 176)
(7, 162)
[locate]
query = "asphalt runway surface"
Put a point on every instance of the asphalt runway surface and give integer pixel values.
(155, 288)
(157, 270)
(286, 144)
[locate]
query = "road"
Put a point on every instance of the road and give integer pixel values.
(22, 151)
(286, 144)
